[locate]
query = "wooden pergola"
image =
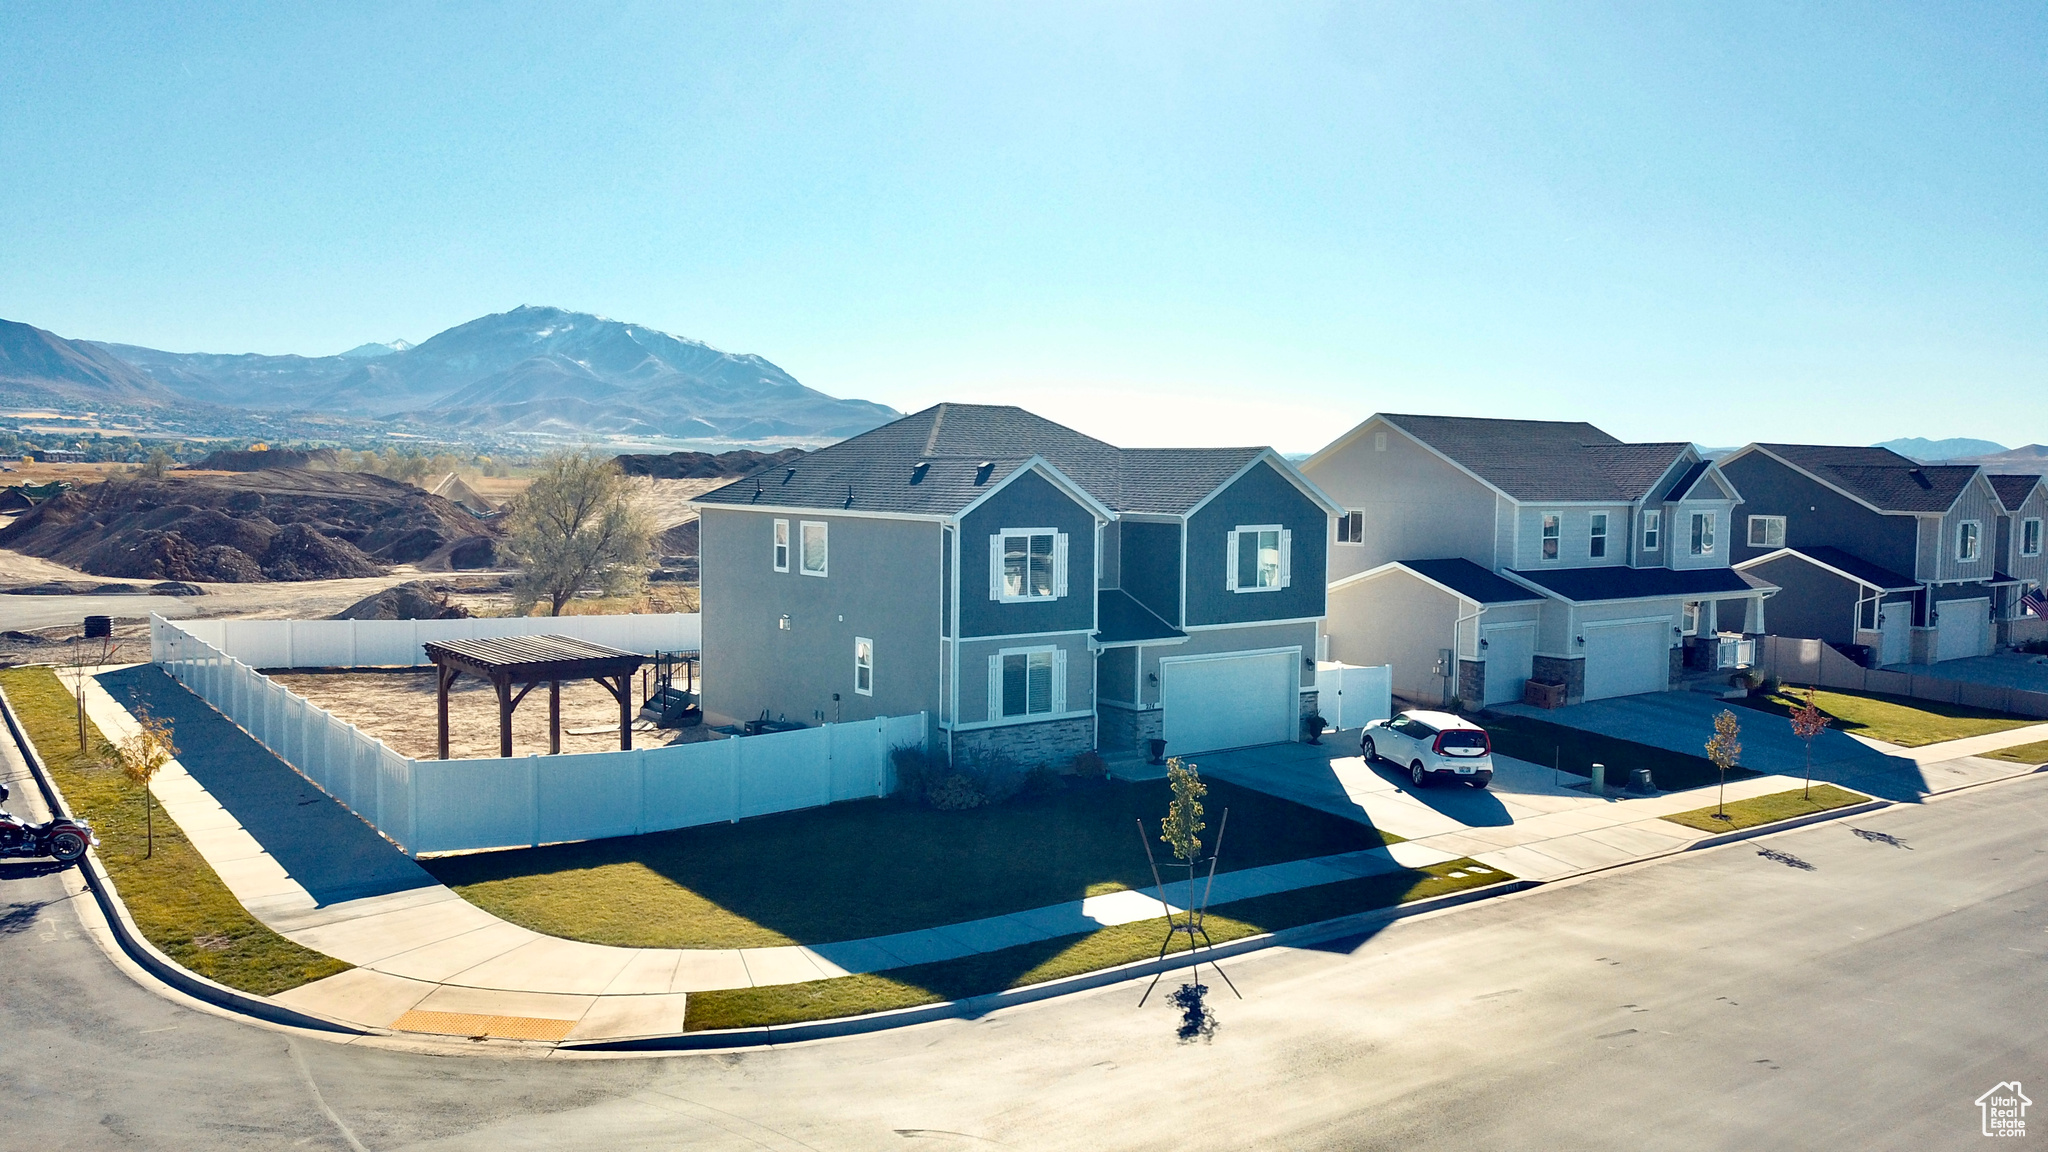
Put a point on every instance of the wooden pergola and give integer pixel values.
(525, 662)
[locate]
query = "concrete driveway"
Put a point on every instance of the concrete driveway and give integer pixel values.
(2004, 669)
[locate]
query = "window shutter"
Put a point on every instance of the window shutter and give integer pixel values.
(1059, 680)
(995, 687)
(995, 567)
(1059, 564)
(1286, 557)
(1230, 564)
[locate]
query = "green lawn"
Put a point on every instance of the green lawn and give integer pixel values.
(2035, 753)
(869, 867)
(1068, 955)
(177, 901)
(1897, 720)
(1768, 809)
(1576, 751)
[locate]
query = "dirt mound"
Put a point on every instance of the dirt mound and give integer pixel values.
(703, 465)
(230, 460)
(276, 524)
(417, 600)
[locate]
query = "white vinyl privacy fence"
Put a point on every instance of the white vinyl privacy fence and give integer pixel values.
(1350, 695)
(384, 643)
(460, 805)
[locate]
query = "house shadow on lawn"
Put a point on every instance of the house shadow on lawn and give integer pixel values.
(870, 868)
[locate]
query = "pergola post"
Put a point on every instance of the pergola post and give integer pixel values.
(554, 717)
(626, 712)
(504, 686)
(446, 676)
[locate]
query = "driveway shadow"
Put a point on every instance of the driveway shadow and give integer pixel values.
(1472, 807)
(326, 848)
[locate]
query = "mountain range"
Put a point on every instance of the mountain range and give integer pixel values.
(533, 369)
(1941, 451)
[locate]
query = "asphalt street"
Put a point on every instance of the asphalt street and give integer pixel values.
(1840, 992)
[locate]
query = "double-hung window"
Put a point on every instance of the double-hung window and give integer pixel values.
(782, 545)
(1027, 564)
(1766, 531)
(1351, 528)
(1596, 536)
(1703, 533)
(1024, 682)
(2030, 537)
(1969, 542)
(1552, 526)
(1257, 559)
(863, 666)
(813, 548)
(1653, 524)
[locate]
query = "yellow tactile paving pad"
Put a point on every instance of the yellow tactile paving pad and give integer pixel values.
(473, 1024)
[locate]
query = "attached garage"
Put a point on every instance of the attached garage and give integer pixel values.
(1229, 701)
(1962, 628)
(1627, 658)
(1509, 651)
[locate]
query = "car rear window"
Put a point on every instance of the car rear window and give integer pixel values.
(1464, 739)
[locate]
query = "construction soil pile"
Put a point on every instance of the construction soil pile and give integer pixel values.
(249, 460)
(275, 524)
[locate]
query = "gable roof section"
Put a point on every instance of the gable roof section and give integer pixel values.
(1536, 460)
(2013, 490)
(1878, 477)
(1471, 581)
(1842, 564)
(967, 450)
(1587, 585)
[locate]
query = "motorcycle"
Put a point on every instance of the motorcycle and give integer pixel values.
(63, 839)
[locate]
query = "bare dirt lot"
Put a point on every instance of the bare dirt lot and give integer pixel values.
(398, 708)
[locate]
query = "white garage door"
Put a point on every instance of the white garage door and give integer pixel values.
(1960, 626)
(1229, 701)
(1625, 659)
(1509, 650)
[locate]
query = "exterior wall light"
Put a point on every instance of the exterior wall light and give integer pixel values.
(784, 622)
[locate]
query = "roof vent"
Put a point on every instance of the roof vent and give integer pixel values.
(1921, 479)
(757, 489)
(849, 495)
(918, 470)
(789, 475)
(983, 471)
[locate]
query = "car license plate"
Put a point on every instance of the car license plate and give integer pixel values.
(1464, 769)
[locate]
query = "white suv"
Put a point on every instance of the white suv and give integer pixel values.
(1432, 745)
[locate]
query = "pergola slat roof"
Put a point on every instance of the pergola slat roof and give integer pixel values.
(531, 660)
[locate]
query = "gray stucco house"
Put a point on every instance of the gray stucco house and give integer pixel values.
(1475, 554)
(1037, 591)
(1872, 548)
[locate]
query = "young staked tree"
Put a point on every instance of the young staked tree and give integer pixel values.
(1808, 722)
(575, 527)
(143, 754)
(1724, 749)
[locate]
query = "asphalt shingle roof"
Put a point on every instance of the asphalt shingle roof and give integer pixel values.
(1874, 575)
(1471, 581)
(1121, 619)
(940, 460)
(1583, 585)
(1545, 459)
(1880, 477)
(2013, 490)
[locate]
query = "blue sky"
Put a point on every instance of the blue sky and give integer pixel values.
(1164, 223)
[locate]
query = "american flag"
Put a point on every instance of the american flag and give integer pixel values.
(2033, 600)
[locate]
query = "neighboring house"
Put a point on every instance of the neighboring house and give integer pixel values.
(1871, 548)
(1474, 554)
(1039, 592)
(2020, 556)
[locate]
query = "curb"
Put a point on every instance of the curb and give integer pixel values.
(975, 1006)
(1786, 824)
(130, 938)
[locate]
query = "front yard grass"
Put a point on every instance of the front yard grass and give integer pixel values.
(1768, 809)
(177, 901)
(2035, 753)
(1899, 720)
(870, 867)
(1575, 750)
(1068, 955)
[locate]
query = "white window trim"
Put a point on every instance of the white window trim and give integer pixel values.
(1230, 558)
(1601, 520)
(2034, 523)
(780, 543)
(1059, 566)
(1689, 618)
(1766, 523)
(1653, 529)
(1706, 547)
(860, 642)
(995, 684)
(1972, 530)
(825, 535)
(1541, 537)
(1344, 525)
